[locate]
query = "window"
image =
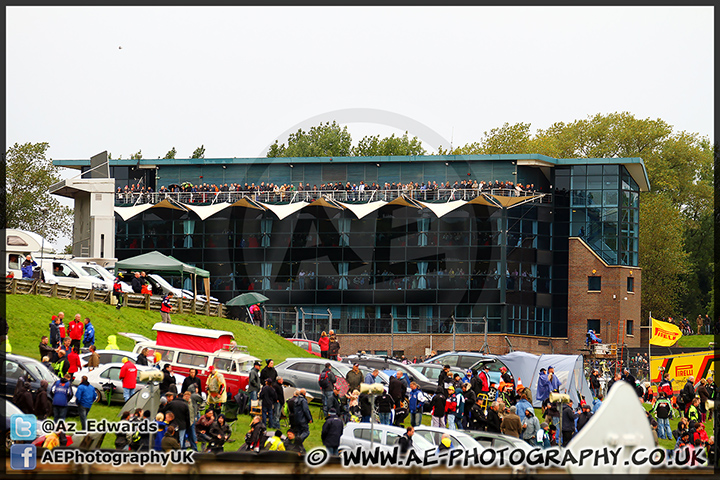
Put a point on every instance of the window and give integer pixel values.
(630, 284)
(12, 370)
(594, 284)
(166, 355)
(364, 434)
(315, 348)
(223, 364)
(594, 325)
(629, 328)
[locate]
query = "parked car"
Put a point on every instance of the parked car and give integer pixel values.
(33, 372)
(385, 364)
(97, 271)
(458, 438)
(467, 360)
(304, 373)
(432, 371)
(497, 440)
(110, 356)
(309, 345)
(110, 373)
(494, 364)
(386, 436)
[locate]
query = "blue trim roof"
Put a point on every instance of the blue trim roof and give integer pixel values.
(635, 165)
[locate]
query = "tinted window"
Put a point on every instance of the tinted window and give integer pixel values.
(364, 434)
(112, 373)
(447, 360)
(12, 370)
(315, 347)
(167, 355)
(392, 438)
(306, 367)
(194, 360)
(466, 361)
(303, 345)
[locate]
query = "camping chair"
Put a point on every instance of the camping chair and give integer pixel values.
(255, 407)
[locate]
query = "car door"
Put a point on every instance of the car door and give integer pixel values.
(112, 374)
(305, 375)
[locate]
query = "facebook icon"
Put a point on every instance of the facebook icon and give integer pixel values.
(23, 457)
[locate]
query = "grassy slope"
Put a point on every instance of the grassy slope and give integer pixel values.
(696, 341)
(28, 317)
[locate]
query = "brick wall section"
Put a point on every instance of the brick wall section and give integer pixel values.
(415, 344)
(613, 304)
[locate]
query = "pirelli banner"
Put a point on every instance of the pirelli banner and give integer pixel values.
(697, 364)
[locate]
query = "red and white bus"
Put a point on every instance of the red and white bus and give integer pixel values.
(189, 347)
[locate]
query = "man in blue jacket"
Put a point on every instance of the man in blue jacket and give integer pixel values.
(86, 396)
(89, 336)
(27, 267)
(62, 393)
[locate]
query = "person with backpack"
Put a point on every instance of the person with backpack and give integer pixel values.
(663, 412)
(686, 395)
(303, 418)
(327, 381)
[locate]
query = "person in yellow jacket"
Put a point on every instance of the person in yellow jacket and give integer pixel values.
(8, 348)
(112, 343)
(217, 390)
(275, 442)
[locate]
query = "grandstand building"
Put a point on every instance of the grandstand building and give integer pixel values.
(421, 251)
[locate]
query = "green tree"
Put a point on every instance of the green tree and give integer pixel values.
(171, 153)
(375, 146)
(29, 206)
(198, 153)
(136, 156)
(325, 140)
(663, 259)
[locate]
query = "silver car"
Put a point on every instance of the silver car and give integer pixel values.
(498, 440)
(304, 373)
(110, 373)
(458, 438)
(386, 436)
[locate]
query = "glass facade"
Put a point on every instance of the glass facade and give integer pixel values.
(508, 265)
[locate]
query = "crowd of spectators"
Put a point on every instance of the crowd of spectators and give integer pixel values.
(355, 192)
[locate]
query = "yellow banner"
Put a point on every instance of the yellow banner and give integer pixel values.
(681, 366)
(664, 334)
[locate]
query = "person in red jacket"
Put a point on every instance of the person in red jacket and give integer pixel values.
(77, 330)
(324, 343)
(73, 359)
(128, 375)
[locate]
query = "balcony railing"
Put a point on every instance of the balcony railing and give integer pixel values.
(271, 197)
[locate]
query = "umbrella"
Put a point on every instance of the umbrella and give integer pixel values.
(245, 299)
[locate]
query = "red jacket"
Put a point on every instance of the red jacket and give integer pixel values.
(128, 375)
(324, 342)
(74, 362)
(76, 329)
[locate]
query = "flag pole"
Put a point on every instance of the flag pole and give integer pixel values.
(649, 340)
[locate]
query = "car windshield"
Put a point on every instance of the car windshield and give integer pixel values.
(39, 371)
(416, 374)
(422, 443)
(92, 272)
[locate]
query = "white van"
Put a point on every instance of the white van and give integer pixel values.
(70, 274)
(102, 273)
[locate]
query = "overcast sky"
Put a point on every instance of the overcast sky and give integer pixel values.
(123, 79)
